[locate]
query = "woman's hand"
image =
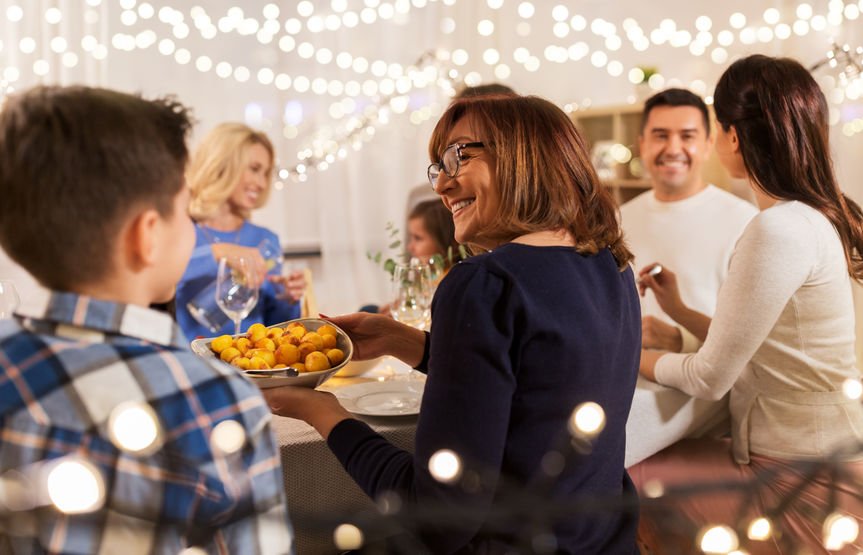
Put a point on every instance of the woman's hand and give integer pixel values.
(656, 334)
(320, 409)
(233, 252)
(375, 335)
(293, 285)
(647, 364)
(664, 287)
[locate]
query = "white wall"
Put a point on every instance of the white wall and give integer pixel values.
(344, 209)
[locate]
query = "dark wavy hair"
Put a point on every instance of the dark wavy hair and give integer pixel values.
(437, 221)
(781, 119)
(543, 171)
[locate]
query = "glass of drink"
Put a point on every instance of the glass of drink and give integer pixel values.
(412, 293)
(237, 289)
(9, 299)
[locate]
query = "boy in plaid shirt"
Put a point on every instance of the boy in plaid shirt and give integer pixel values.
(93, 204)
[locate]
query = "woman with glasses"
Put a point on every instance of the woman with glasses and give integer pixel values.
(782, 338)
(542, 324)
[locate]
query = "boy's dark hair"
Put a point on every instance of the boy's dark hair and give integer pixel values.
(75, 164)
(676, 97)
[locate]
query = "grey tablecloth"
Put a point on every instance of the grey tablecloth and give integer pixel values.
(320, 493)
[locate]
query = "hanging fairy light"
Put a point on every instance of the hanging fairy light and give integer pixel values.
(717, 539)
(587, 420)
(133, 427)
(75, 486)
(839, 531)
(848, 65)
(759, 529)
(227, 437)
(347, 537)
(445, 466)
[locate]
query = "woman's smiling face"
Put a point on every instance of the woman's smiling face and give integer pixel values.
(472, 195)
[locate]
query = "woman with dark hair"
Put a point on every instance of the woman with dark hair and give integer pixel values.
(431, 232)
(782, 338)
(544, 321)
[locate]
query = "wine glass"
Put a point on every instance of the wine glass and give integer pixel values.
(412, 292)
(9, 299)
(237, 286)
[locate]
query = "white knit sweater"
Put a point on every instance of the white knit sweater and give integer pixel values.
(782, 340)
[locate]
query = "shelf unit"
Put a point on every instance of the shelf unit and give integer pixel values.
(622, 125)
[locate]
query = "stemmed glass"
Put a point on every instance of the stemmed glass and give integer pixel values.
(412, 293)
(237, 286)
(9, 299)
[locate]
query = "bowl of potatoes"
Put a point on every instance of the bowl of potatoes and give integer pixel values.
(302, 353)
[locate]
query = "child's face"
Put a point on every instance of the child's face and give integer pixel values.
(253, 181)
(177, 244)
(420, 242)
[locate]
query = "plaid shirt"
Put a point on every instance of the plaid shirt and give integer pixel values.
(63, 370)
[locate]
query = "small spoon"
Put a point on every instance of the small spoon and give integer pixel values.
(289, 372)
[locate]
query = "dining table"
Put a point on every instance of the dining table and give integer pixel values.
(320, 493)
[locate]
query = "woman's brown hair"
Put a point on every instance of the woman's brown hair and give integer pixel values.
(437, 221)
(781, 119)
(543, 171)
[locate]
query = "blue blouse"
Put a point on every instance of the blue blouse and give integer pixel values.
(202, 271)
(520, 336)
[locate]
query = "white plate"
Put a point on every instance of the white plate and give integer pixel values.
(386, 398)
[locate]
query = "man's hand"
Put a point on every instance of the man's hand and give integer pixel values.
(656, 334)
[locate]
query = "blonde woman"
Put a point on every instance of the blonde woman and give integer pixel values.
(229, 176)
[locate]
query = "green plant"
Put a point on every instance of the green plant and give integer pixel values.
(389, 262)
(648, 71)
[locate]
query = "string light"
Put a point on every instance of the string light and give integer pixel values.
(445, 466)
(75, 486)
(718, 539)
(839, 531)
(587, 420)
(348, 537)
(759, 529)
(134, 428)
(227, 437)
(668, 32)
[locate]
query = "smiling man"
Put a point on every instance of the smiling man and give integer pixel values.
(689, 226)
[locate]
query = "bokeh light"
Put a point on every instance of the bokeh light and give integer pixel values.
(134, 428)
(75, 486)
(445, 466)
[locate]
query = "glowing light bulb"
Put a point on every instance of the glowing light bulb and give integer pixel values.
(228, 437)
(133, 427)
(839, 531)
(759, 529)
(851, 388)
(445, 466)
(587, 420)
(348, 537)
(718, 539)
(653, 489)
(75, 486)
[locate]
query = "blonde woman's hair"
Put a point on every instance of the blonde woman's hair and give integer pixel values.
(218, 164)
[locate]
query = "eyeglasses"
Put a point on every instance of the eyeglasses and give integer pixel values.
(450, 162)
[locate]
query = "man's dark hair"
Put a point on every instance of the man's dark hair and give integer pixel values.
(483, 90)
(676, 97)
(75, 164)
